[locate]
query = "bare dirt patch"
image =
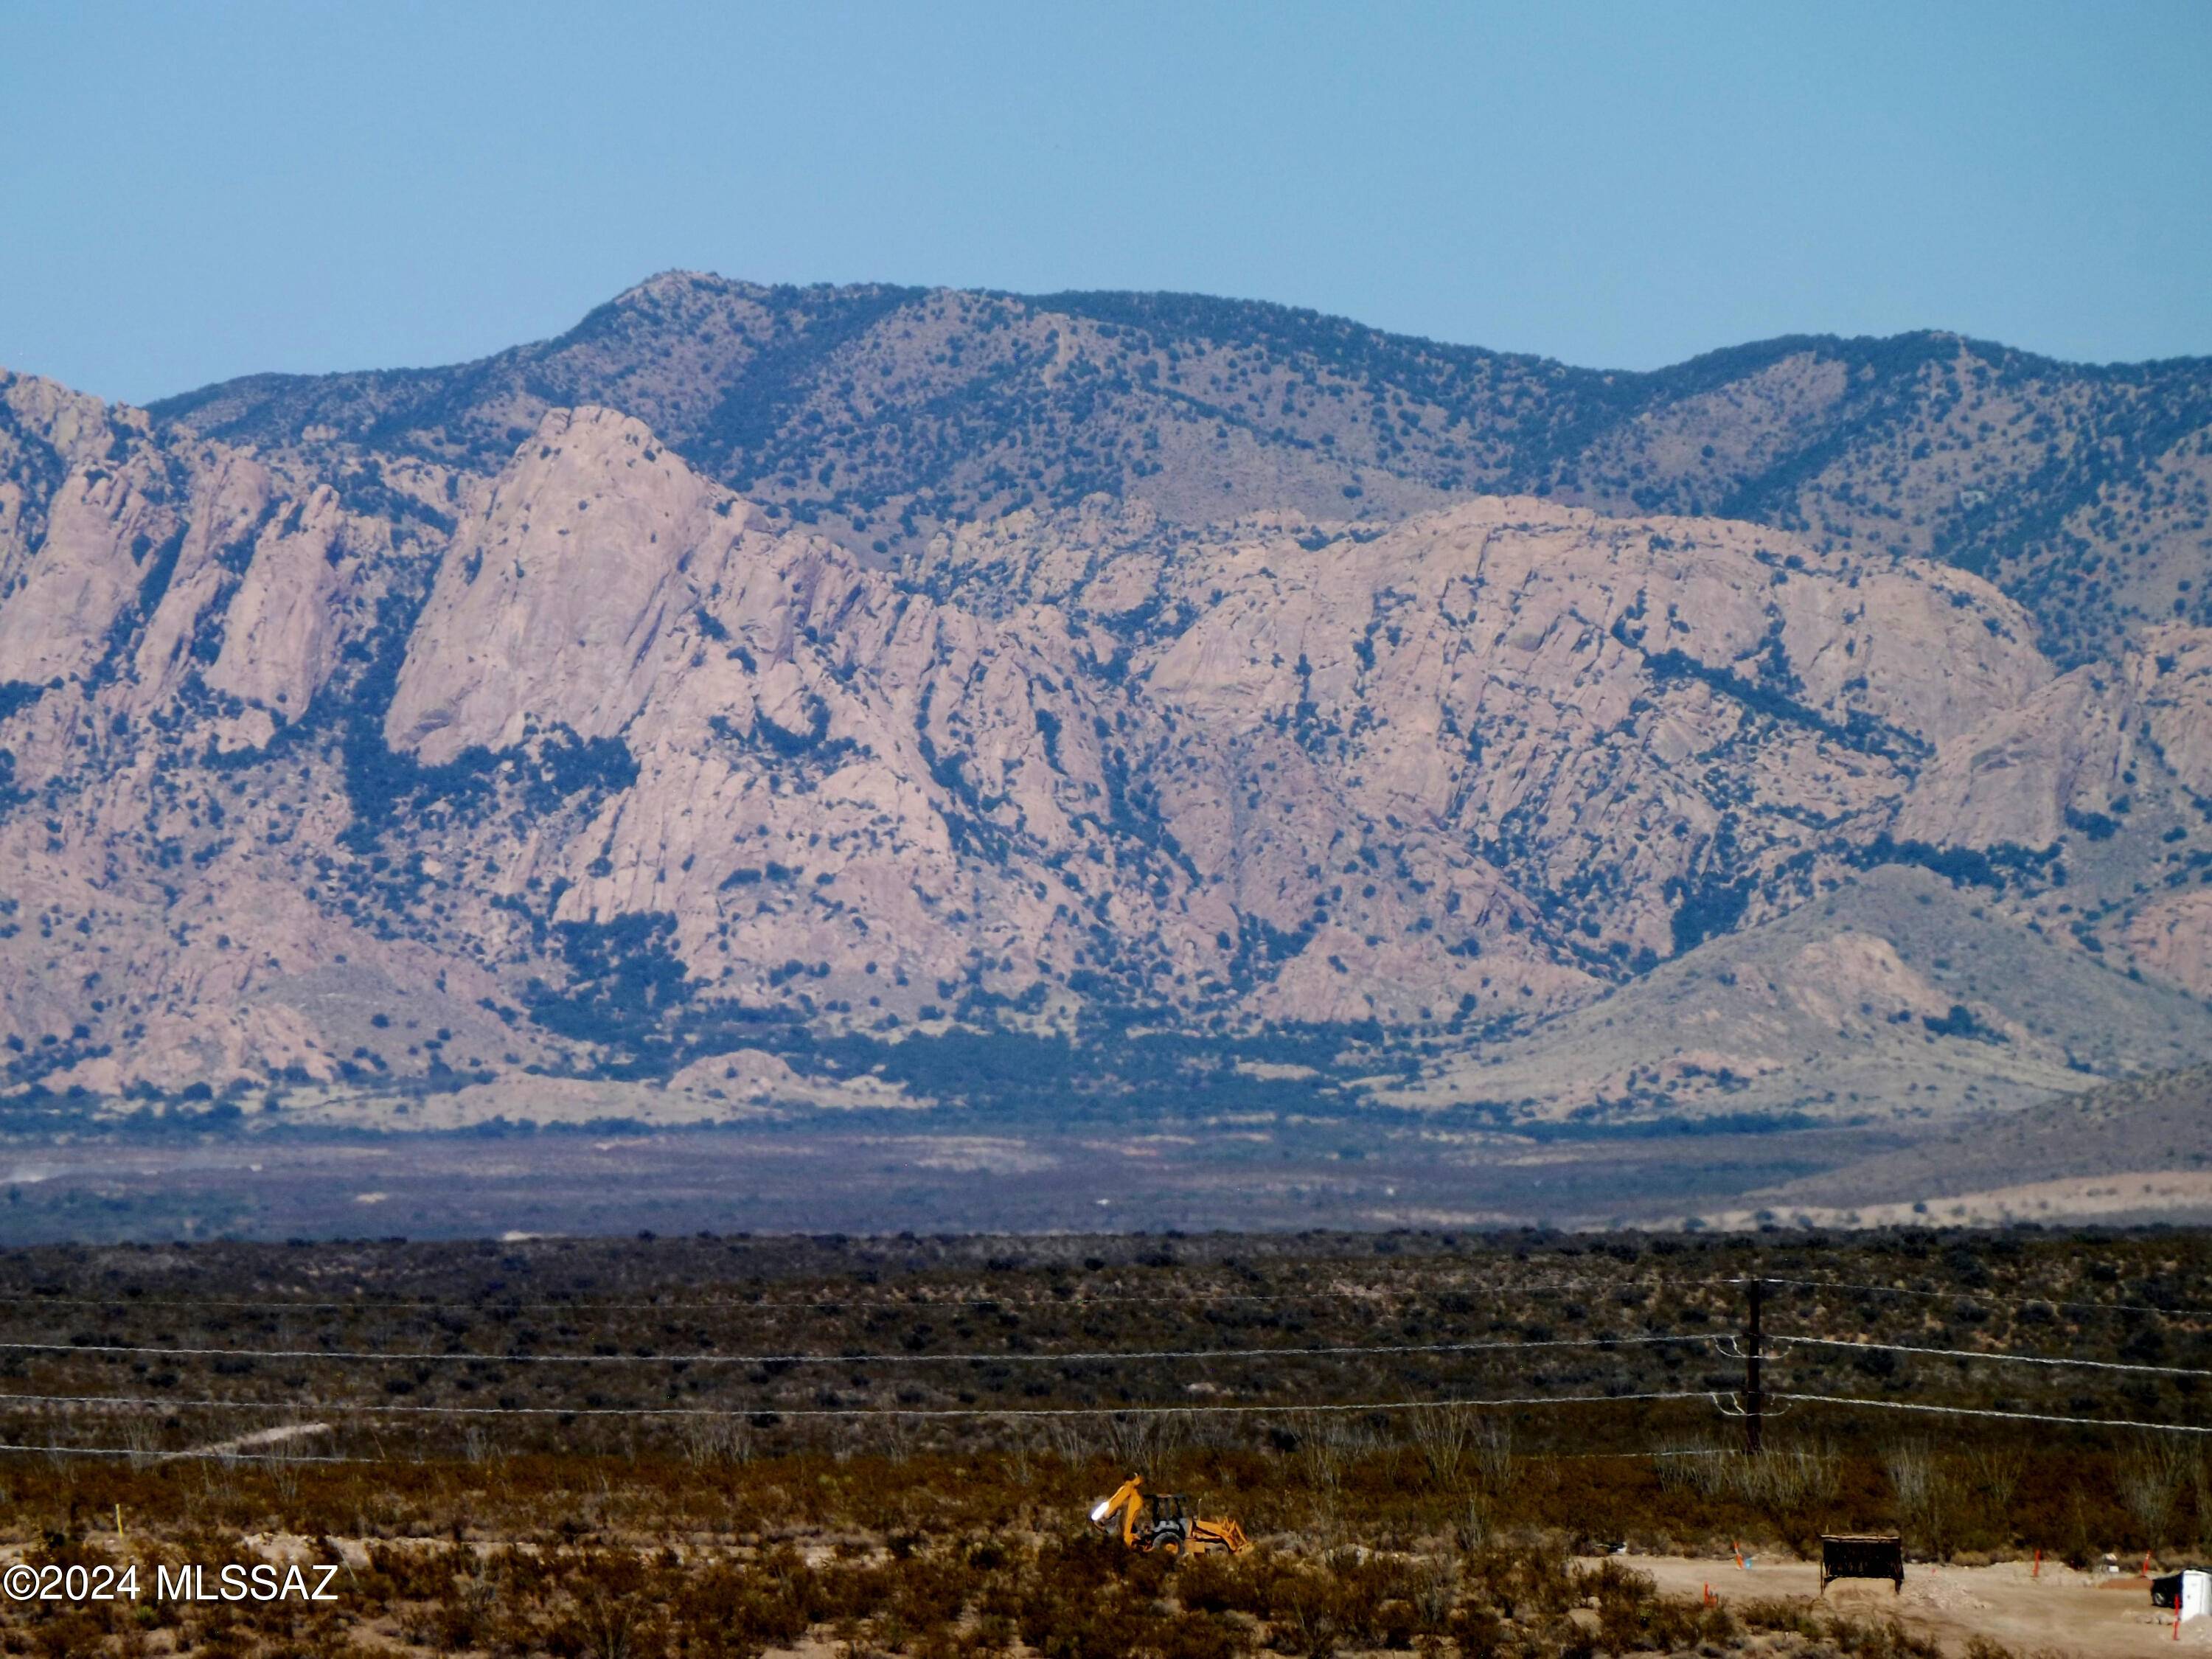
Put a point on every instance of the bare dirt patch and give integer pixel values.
(2057, 1607)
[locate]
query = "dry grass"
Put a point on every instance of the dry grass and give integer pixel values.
(961, 1583)
(745, 1528)
(651, 1557)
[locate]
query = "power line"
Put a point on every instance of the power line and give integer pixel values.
(1974, 1410)
(922, 1299)
(992, 1413)
(1008, 1358)
(490, 1305)
(1020, 1413)
(1984, 1297)
(171, 1456)
(1584, 1457)
(496, 1305)
(1997, 1355)
(1080, 1357)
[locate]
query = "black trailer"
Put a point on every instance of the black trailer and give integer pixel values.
(1862, 1555)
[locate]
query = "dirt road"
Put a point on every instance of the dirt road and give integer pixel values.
(2061, 1610)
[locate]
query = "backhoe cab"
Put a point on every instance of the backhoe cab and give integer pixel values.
(1162, 1521)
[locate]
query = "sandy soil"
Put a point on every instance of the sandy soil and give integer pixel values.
(949, 1175)
(2061, 1610)
(2105, 1198)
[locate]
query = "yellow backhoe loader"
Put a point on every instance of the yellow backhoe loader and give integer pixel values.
(1162, 1521)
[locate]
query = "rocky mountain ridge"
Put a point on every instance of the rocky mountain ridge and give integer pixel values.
(422, 733)
(883, 415)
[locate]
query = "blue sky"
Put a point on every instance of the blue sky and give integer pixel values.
(191, 191)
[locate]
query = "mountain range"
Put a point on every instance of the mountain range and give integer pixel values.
(876, 696)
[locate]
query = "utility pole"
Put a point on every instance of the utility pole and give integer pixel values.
(1754, 1401)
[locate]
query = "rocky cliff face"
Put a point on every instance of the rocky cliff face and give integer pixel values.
(343, 768)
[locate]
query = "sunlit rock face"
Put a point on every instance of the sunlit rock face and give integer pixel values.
(350, 768)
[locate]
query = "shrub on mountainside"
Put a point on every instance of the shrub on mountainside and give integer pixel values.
(624, 978)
